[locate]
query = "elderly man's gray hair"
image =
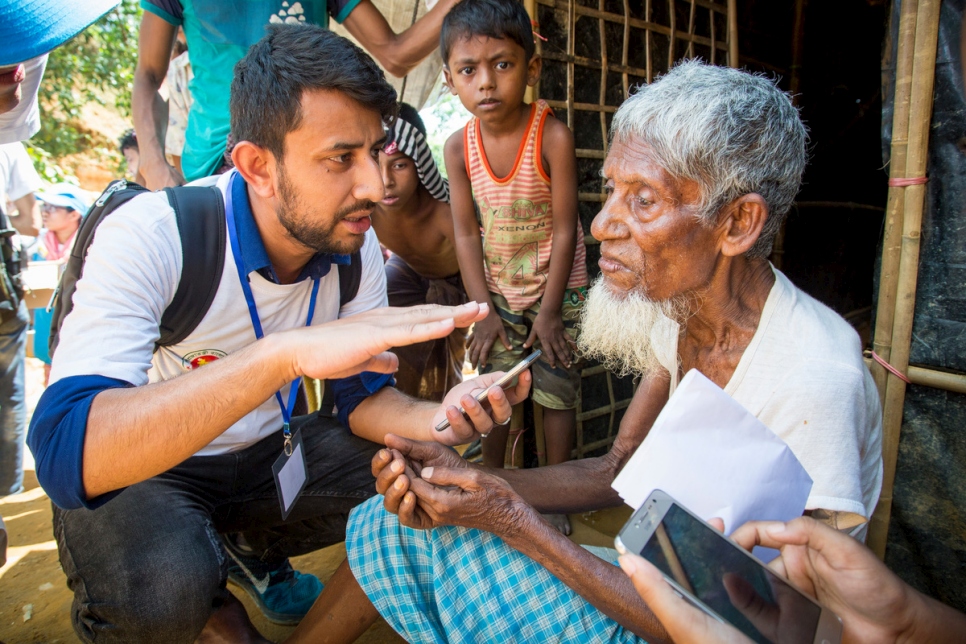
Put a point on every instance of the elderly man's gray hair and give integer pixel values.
(732, 132)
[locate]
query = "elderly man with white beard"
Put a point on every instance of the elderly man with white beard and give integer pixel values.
(703, 166)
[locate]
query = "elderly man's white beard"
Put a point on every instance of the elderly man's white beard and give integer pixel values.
(630, 335)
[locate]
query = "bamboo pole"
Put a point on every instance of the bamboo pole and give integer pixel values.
(674, 27)
(945, 380)
(603, 76)
(531, 93)
(732, 33)
(889, 271)
(920, 118)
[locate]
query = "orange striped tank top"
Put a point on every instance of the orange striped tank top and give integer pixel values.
(517, 217)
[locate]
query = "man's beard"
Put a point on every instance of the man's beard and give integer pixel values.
(630, 334)
(310, 231)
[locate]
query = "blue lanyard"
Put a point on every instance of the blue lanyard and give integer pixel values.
(253, 312)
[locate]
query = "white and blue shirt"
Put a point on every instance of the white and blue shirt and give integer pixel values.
(131, 274)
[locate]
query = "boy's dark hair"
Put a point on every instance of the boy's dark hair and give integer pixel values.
(492, 18)
(409, 114)
(128, 140)
(266, 91)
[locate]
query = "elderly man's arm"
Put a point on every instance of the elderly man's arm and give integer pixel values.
(474, 499)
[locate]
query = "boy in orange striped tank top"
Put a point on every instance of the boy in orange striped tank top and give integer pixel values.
(517, 163)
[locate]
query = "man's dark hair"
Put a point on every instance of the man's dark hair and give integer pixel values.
(503, 19)
(128, 140)
(266, 91)
(409, 114)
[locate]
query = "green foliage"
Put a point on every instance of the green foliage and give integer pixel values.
(97, 65)
(442, 118)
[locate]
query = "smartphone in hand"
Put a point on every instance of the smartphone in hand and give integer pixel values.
(722, 579)
(504, 380)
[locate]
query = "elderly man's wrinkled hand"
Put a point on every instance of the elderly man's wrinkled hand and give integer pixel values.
(467, 497)
(476, 419)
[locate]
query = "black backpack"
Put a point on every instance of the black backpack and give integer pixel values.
(200, 213)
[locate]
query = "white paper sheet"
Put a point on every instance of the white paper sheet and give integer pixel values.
(714, 457)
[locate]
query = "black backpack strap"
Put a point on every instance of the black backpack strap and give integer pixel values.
(200, 212)
(350, 276)
(114, 196)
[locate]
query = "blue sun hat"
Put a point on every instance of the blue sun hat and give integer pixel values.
(29, 28)
(65, 195)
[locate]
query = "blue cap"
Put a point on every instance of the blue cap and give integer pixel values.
(66, 196)
(29, 28)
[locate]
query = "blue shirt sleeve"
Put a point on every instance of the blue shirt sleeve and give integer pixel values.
(56, 439)
(349, 392)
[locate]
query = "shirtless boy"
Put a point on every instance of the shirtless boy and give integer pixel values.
(414, 222)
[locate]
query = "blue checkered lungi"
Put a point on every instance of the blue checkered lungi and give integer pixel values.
(456, 585)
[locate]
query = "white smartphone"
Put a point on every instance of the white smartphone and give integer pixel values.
(721, 578)
(503, 381)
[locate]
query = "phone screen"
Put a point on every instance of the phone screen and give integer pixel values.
(738, 588)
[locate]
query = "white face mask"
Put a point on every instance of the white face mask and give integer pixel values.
(23, 121)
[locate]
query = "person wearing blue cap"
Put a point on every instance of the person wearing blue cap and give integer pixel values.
(63, 208)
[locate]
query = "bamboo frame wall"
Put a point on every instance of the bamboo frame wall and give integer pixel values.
(690, 28)
(912, 117)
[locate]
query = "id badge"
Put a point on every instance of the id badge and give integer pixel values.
(290, 475)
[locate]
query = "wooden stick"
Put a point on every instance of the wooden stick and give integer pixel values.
(733, 33)
(647, 43)
(714, 47)
(670, 46)
(603, 77)
(690, 53)
(571, 51)
(625, 82)
(926, 377)
(889, 270)
(917, 158)
(531, 93)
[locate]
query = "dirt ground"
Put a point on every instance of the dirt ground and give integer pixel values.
(34, 599)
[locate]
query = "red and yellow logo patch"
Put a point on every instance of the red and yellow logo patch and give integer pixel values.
(200, 358)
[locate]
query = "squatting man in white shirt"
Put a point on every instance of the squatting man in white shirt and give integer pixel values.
(150, 455)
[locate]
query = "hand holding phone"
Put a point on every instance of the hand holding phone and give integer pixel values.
(720, 578)
(504, 380)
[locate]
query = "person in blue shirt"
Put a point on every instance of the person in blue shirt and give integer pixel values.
(151, 454)
(219, 33)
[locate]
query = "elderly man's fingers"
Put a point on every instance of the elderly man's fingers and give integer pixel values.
(387, 477)
(465, 479)
(411, 515)
(685, 623)
(381, 459)
(393, 496)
